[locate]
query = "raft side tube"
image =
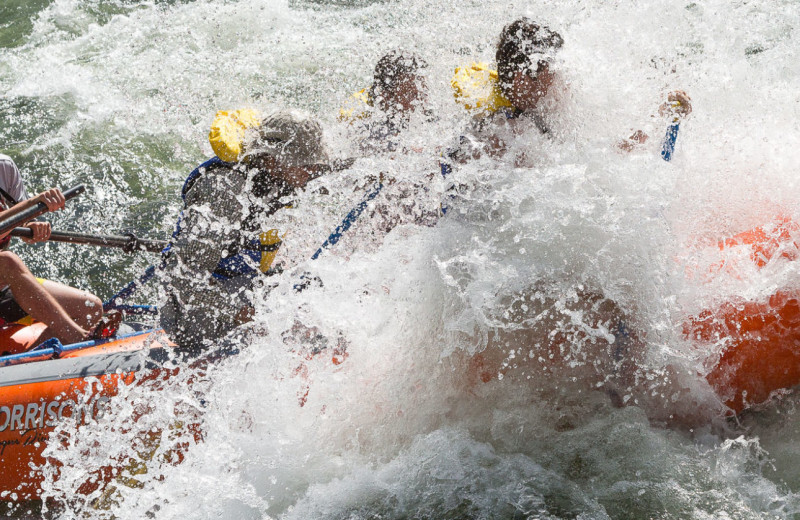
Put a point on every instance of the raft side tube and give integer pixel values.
(27, 357)
(97, 365)
(98, 342)
(45, 354)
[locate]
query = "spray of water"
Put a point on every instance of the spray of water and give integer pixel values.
(455, 370)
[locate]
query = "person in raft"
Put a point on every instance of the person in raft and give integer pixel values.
(69, 313)
(223, 241)
(533, 92)
(398, 93)
(602, 349)
(399, 90)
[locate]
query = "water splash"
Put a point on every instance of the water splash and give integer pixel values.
(120, 95)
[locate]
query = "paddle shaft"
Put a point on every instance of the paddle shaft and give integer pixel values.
(39, 209)
(129, 243)
(668, 145)
(349, 219)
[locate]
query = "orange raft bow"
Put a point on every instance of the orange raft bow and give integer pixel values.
(762, 353)
(41, 388)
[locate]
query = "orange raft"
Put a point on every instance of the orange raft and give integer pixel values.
(761, 352)
(41, 388)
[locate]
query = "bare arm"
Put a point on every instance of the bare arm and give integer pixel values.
(52, 198)
(678, 106)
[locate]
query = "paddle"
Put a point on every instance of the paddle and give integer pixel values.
(350, 218)
(668, 145)
(334, 237)
(39, 209)
(128, 243)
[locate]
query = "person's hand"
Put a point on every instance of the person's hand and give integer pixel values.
(678, 105)
(41, 232)
(636, 139)
(52, 198)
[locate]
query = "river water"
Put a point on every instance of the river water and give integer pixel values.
(119, 95)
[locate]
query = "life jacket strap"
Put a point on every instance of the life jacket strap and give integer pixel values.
(270, 248)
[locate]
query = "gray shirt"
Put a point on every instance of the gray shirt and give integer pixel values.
(10, 179)
(198, 306)
(217, 217)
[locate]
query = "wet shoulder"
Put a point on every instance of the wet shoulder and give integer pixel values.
(216, 183)
(7, 166)
(10, 178)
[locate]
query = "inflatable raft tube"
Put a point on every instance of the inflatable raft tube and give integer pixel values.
(761, 339)
(40, 389)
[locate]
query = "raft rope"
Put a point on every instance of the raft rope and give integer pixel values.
(351, 217)
(127, 291)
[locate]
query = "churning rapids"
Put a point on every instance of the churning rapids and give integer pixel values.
(119, 95)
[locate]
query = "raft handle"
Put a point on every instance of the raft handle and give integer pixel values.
(52, 343)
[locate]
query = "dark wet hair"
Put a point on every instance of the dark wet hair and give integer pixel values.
(393, 67)
(520, 43)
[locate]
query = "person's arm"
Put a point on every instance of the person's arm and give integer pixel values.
(482, 136)
(677, 107)
(52, 198)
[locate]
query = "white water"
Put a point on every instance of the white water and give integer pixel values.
(124, 92)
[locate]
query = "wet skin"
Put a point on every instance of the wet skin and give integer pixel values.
(407, 94)
(527, 91)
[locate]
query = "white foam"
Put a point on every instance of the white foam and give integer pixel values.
(398, 429)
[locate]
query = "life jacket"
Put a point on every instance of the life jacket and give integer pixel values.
(356, 106)
(228, 132)
(244, 259)
(476, 87)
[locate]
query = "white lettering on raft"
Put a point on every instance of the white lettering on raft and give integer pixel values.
(16, 415)
(31, 416)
